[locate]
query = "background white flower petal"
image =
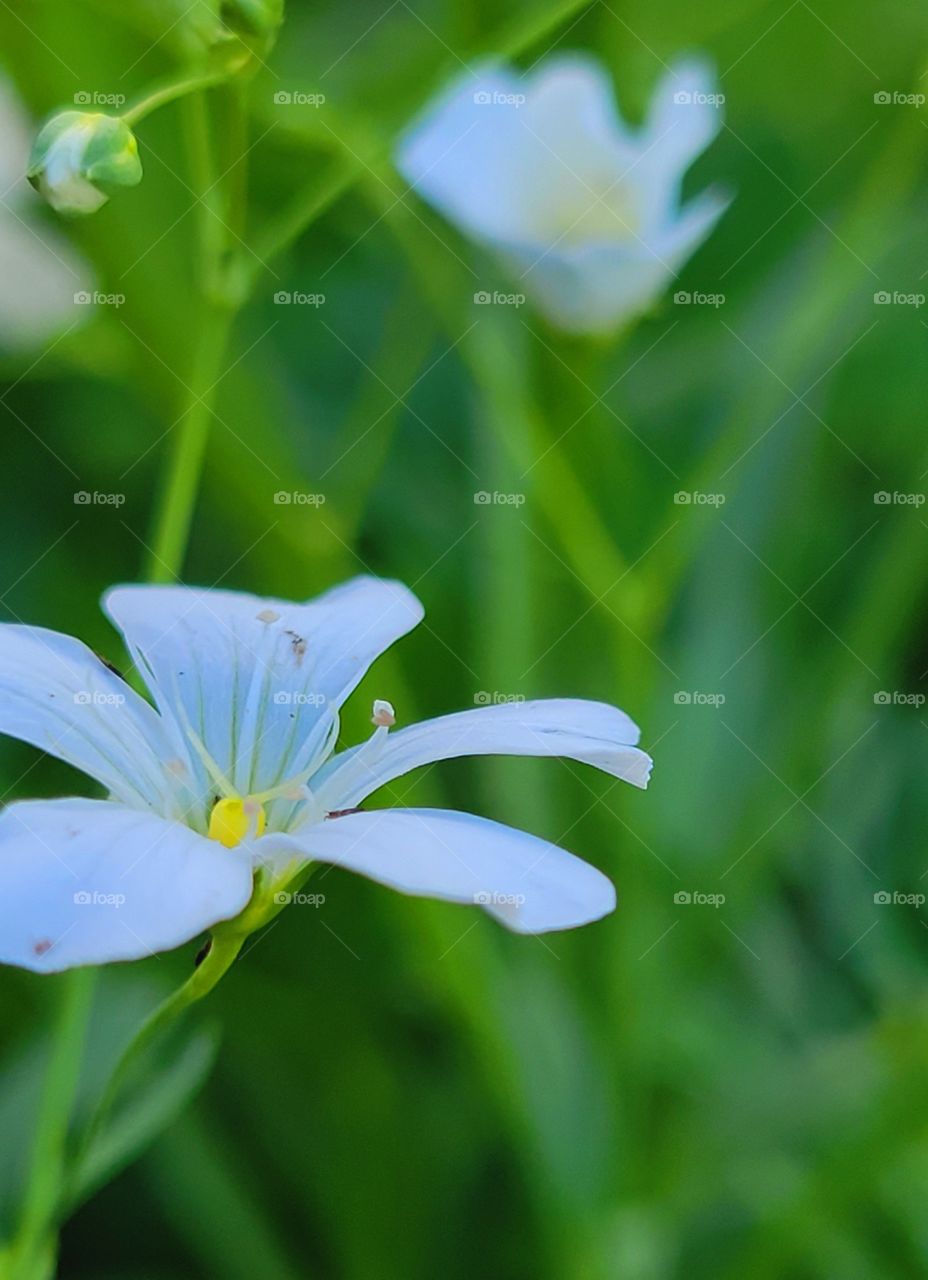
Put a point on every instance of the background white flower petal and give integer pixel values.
(528, 884)
(89, 882)
(683, 118)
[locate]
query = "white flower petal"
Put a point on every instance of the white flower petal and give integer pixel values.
(683, 117)
(528, 884)
(589, 732)
(593, 288)
(511, 158)
(259, 681)
(88, 881)
(56, 694)
(459, 154)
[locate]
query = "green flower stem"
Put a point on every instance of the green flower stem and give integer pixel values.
(169, 92)
(191, 433)
(225, 944)
(32, 1256)
(218, 960)
(182, 479)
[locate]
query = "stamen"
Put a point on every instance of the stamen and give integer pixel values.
(210, 765)
(383, 713)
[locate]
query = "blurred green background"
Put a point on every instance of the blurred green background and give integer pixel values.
(403, 1090)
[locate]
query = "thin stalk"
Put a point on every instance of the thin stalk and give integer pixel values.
(218, 960)
(185, 464)
(33, 1251)
(169, 92)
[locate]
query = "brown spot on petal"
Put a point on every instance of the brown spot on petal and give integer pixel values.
(298, 646)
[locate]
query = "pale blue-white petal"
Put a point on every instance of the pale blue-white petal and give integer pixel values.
(513, 158)
(56, 694)
(591, 733)
(463, 154)
(259, 682)
(88, 882)
(530, 885)
(683, 119)
(595, 288)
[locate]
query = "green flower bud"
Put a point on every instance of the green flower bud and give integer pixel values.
(79, 157)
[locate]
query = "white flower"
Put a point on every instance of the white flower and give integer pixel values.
(40, 271)
(79, 157)
(583, 209)
(231, 773)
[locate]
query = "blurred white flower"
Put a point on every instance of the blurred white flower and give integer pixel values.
(41, 273)
(231, 773)
(585, 210)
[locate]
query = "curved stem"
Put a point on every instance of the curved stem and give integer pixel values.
(169, 92)
(218, 960)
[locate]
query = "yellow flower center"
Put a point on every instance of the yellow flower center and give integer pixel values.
(233, 819)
